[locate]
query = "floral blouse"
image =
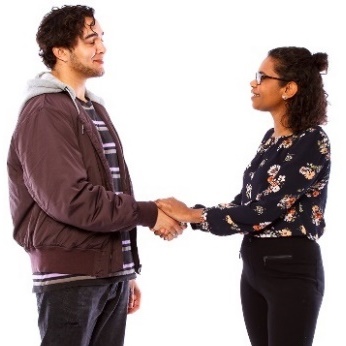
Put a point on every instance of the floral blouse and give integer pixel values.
(284, 190)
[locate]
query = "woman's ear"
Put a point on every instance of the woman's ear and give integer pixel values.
(290, 89)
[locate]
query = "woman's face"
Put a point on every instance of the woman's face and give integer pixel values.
(267, 94)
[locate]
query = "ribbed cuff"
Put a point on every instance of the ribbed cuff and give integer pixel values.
(147, 214)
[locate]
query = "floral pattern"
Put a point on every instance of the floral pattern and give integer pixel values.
(284, 190)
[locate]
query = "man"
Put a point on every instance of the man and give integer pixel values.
(70, 192)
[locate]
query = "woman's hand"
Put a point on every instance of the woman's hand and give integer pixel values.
(178, 210)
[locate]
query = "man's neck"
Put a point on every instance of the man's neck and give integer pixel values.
(77, 84)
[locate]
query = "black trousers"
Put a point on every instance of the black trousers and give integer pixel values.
(282, 286)
(84, 316)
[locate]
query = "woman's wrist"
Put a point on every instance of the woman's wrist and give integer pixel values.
(197, 215)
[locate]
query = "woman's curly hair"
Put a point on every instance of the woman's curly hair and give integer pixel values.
(308, 107)
(61, 27)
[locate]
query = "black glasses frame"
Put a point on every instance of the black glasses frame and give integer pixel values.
(261, 76)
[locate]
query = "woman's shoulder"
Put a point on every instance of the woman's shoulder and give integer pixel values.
(269, 133)
(313, 133)
(315, 138)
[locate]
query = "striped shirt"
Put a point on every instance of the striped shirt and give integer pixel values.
(44, 281)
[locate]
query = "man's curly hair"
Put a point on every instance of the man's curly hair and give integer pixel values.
(61, 27)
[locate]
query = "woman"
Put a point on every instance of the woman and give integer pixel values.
(280, 209)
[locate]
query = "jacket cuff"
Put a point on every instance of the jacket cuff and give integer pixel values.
(147, 214)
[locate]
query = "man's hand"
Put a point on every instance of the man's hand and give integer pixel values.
(134, 297)
(166, 227)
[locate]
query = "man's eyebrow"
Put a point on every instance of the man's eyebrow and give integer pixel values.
(93, 34)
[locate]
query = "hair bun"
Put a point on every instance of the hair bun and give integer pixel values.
(320, 60)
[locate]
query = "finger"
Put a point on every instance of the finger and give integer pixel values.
(173, 235)
(182, 227)
(178, 228)
(169, 236)
(131, 300)
(161, 232)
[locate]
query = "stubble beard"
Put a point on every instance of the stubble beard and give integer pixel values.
(85, 70)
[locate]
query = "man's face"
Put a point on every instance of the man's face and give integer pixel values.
(86, 58)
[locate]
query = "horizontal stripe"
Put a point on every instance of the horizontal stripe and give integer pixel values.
(110, 151)
(109, 145)
(62, 280)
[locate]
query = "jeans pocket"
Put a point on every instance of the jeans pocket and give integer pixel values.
(276, 258)
(291, 268)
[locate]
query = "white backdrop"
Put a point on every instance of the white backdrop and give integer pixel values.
(177, 88)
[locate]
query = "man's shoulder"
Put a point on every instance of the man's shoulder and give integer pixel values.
(48, 101)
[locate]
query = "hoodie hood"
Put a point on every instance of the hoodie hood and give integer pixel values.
(46, 83)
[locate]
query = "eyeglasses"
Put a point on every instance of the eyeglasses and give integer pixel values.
(261, 76)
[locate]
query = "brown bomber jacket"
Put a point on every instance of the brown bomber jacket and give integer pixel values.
(64, 211)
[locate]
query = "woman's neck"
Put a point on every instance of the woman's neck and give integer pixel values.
(280, 130)
(282, 133)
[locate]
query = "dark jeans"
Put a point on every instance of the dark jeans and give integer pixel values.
(84, 316)
(282, 286)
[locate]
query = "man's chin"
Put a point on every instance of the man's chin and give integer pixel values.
(98, 74)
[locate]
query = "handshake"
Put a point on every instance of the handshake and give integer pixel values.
(173, 216)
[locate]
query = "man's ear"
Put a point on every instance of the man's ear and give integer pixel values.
(60, 53)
